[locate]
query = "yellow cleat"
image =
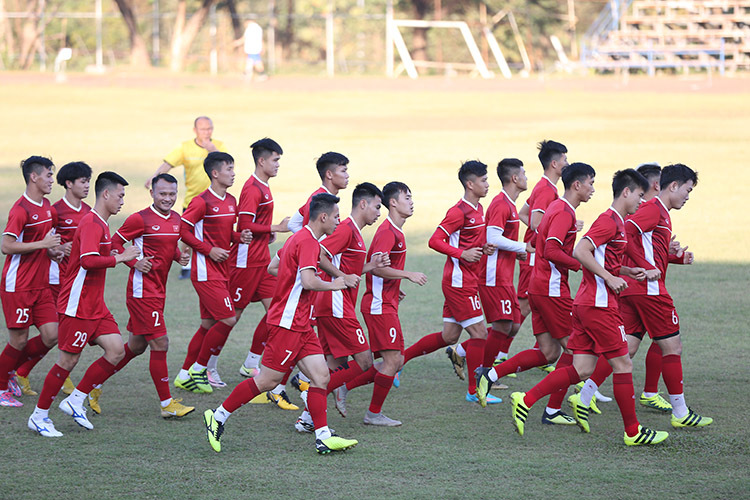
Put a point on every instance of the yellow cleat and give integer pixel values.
(94, 396)
(25, 386)
(580, 412)
(214, 430)
(68, 386)
(176, 409)
(645, 436)
(520, 411)
(334, 443)
(281, 400)
(692, 419)
(260, 399)
(657, 402)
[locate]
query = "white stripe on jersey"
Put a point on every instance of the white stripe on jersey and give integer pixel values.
(54, 273)
(376, 307)
(137, 275)
(554, 281)
(457, 276)
(242, 255)
(337, 297)
(15, 261)
(648, 253)
(491, 269)
(287, 317)
(602, 296)
(75, 293)
(200, 259)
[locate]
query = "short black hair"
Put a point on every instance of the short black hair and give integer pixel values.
(264, 147)
(107, 180)
(550, 150)
(677, 172)
(628, 178)
(576, 172)
(507, 168)
(328, 161)
(165, 176)
(649, 170)
(214, 160)
(322, 203)
(365, 190)
(73, 171)
(471, 168)
(392, 190)
(34, 164)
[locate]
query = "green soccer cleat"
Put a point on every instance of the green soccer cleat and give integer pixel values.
(201, 380)
(692, 419)
(580, 412)
(520, 411)
(457, 361)
(547, 368)
(187, 385)
(593, 407)
(483, 385)
(501, 361)
(645, 436)
(657, 402)
(334, 443)
(214, 430)
(557, 418)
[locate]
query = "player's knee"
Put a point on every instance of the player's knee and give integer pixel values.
(159, 344)
(230, 322)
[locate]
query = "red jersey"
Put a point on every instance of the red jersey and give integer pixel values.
(464, 228)
(649, 232)
(82, 290)
(256, 214)
(68, 218)
(556, 236)
(381, 295)
(208, 222)
(497, 269)
(347, 251)
(607, 234)
(28, 221)
(157, 236)
(291, 305)
(304, 210)
(544, 193)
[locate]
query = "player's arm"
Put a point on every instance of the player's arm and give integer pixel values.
(273, 266)
(389, 273)
(351, 280)
(377, 261)
(495, 237)
(296, 222)
(523, 214)
(163, 169)
(439, 239)
(635, 251)
(10, 245)
(553, 247)
(310, 281)
(584, 252)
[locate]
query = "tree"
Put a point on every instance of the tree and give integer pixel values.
(138, 52)
(186, 30)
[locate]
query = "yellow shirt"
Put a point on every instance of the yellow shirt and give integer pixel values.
(191, 156)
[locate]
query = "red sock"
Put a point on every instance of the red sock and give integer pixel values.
(243, 393)
(259, 337)
(194, 347)
(53, 382)
(474, 352)
(348, 371)
(383, 384)
(316, 405)
(157, 365)
(215, 339)
(492, 346)
(556, 398)
(671, 366)
(425, 345)
(363, 379)
(522, 361)
(622, 385)
(558, 379)
(507, 341)
(34, 350)
(653, 368)
(8, 360)
(99, 371)
(128, 356)
(602, 370)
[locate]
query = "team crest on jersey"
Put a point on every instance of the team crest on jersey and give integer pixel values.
(155, 227)
(69, 221)
(359, 243)
(266, 196)
(216, 209)
(400, 244)
(471, 221)
(176, 228)
(231, 208)
(49, 214)
(35, 216)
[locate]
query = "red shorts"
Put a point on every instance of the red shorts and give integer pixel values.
(462, 305)
(385, 332)
(341, 337)
(598, 330)
(285, 347)
(74, 333)
(32, 307)
(654, 314)
(500, 303)
(146, 317)
(215, 302)
(251, 284)
(524, 276)
(551, 315)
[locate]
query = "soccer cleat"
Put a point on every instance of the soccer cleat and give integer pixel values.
(380, 420)
(214, 379)
(7, 399)
(26, 389)
(176, 409)
(593, 407)
(657, 402)
(339, 397)
(302, 425)
(457, 361)
(281, 400)
(260, 399)
(201, 380)
(77, 412)
(188, 385)
(580, 412)
(499, 362)
(249, 372)
(334, 443)
(94, 396)
(13, 386)
(397, 380)
(214, 430)
(547, 368)
(692, 419)
(557, 418)
(483, 385)
(519, 411)
(499, 386)
(645, 436)
(68, 386)
(299, 384)
(44, 427)
(491, 400)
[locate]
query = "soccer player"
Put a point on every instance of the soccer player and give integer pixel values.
(597, 325)
(24, 289)
(291, 339)
(208, 227)
(155, 231)
(84, 317)
(647, 306)
(333, 171)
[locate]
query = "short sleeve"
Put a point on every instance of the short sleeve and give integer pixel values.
(453, 221)
(338, 241)
(602, 231)
(645, 219)
(91, 237)
(131, 228)
(543, 200)
(195, 211)
(175, 157)
(560, 225)
(498, 215)
(308, 255)
(383, 242)
(17, 219)
(249, 201)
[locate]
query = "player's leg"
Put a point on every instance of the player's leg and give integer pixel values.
(250, 367)
(553, 413)
(650, 396)
(183, 377)
(170, 407)
(35, 350)
(392, 360)
(39, 420)
(9, 359)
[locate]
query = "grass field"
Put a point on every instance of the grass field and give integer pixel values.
(418, 133)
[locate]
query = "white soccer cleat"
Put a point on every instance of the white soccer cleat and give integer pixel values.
(77, 412)
(214, 379)
(44, 427)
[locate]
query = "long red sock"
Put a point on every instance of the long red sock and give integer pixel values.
(671, 366)
(556, 398)
(602, 370)
(522, 361)
(215, 339)
(99, 371)
(346, 372)
(556, 380)
(8, 360)
(128, 356)
(53, 382)
(622, 385)
(425, 345)
(363, 379)
(194, 348)
(34, 350)
(259, 337)
(244, 392)
(653, 368)
(474, 352)
(382, 385)
(492, 346)
(316, 405)
(157, 365)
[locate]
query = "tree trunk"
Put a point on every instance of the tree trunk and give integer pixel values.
(30, 30)
(138, 52)
(419, 37)
(185, 32)
(236, 23)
